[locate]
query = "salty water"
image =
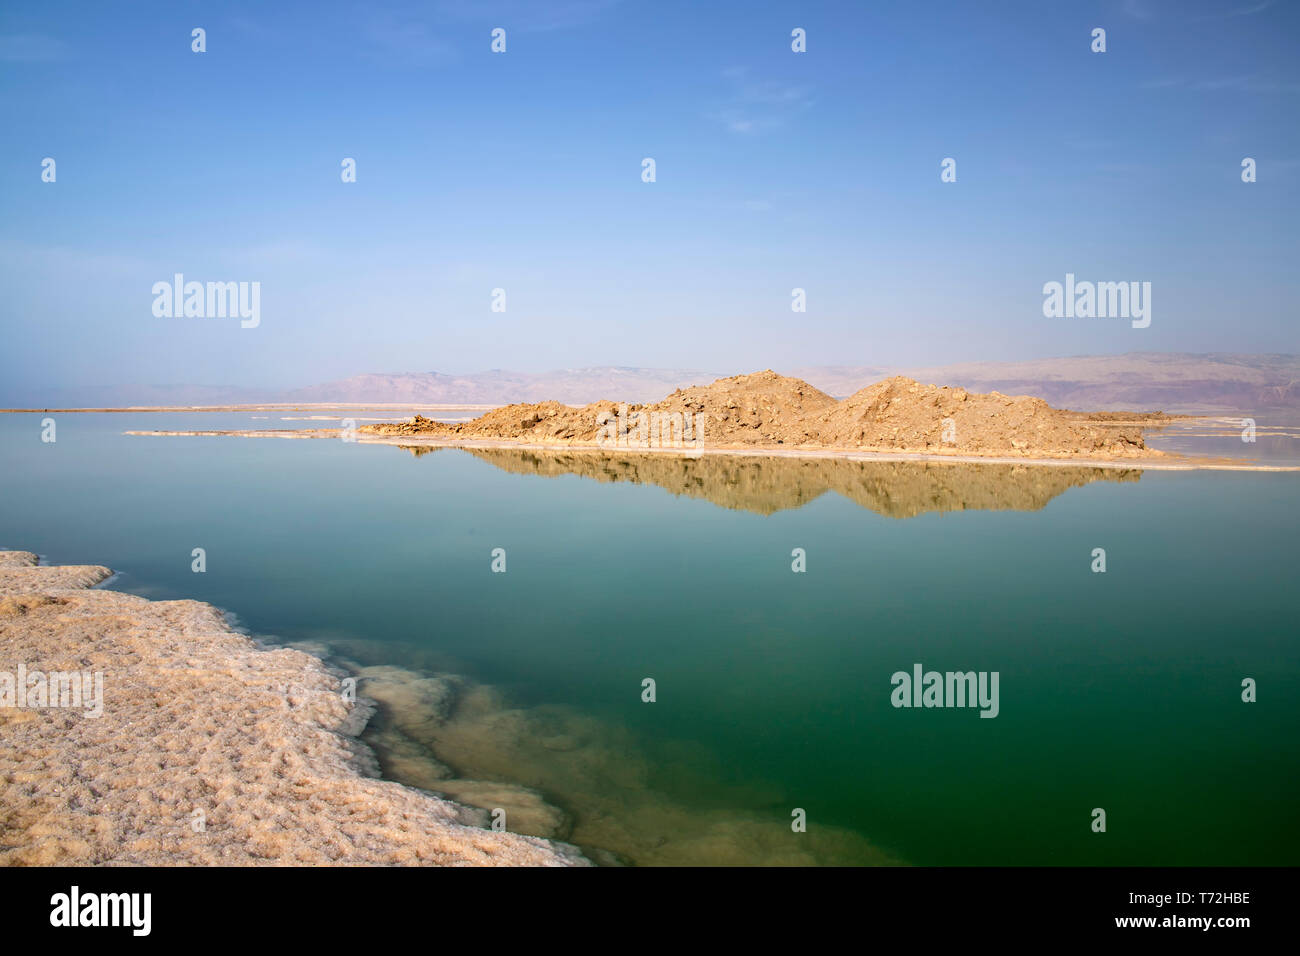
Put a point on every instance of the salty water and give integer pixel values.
(1119, 690)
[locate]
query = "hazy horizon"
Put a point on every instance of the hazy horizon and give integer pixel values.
(1151, 381)
(786, 368)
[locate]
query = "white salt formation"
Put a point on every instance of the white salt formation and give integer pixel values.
(210, 750)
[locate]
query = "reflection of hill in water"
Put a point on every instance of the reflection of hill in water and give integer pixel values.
(768, 485)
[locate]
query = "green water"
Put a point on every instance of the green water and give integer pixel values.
(1119, 690)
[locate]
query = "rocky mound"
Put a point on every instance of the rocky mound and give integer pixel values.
(770, 410)
(762, 408)
(902, 413)
(544, 422)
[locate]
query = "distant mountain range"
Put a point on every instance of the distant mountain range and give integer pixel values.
(1166, 381)
(573, 386)
(1139, 381)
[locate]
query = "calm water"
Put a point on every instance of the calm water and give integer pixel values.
(1118, 690)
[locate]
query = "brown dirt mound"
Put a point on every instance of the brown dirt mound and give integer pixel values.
(544, 421)
(902, 413)
(762, 408)
(767, 409)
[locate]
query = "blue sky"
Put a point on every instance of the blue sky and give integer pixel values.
(522, 171)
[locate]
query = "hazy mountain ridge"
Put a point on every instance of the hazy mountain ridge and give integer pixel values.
(1168, 381)
(575, 386)
(1143, 380)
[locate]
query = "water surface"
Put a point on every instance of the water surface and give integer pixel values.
(1119, 690)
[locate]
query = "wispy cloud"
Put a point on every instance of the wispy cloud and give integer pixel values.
(1137, 9)
(405, 41)
(1123, 169)
(31, 48)
(1240, 11)
(1248, 83)
(279, 252)
(527, 16)
(19, 257)
(408, 33)
(1146, 10)
(250, 28)
(755, 105)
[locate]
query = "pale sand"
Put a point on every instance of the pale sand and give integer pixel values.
(198, 717)
(1166, 462)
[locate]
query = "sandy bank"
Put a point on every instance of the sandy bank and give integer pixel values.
(209, 749)
(1164, 462)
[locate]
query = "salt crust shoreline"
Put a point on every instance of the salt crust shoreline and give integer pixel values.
(198, 717)
(1167, 462)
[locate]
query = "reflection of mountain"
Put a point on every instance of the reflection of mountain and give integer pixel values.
(768, 485)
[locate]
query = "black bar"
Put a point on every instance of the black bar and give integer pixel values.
(360, 906)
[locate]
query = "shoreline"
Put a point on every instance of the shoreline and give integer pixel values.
(1164, 462)
(252, 732)
(256, 742)
(268, 407)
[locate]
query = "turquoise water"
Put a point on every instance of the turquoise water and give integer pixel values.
(1119, 690)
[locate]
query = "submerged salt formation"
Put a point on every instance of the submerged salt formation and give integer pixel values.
(209, 749)
(614, 803)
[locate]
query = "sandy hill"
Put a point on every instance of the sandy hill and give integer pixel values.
(765, 409)
(902, 413)
(762, 408)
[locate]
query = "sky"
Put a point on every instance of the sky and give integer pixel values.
(522, 170)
